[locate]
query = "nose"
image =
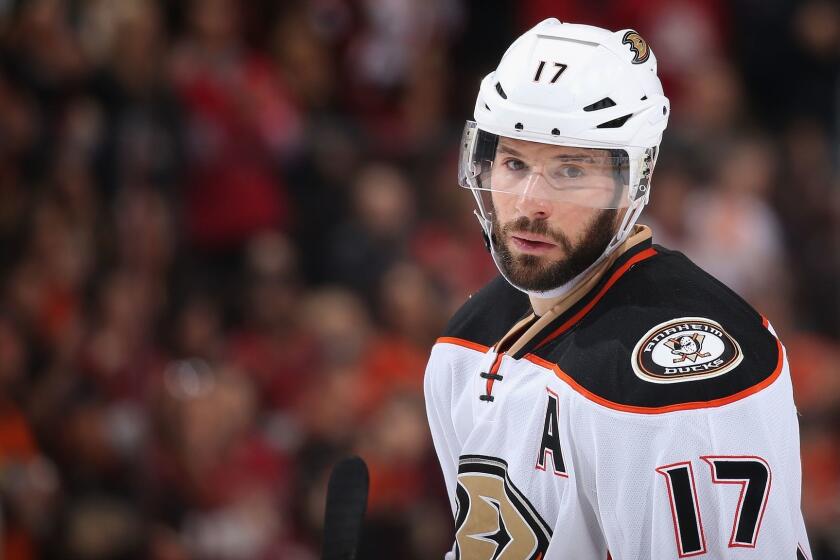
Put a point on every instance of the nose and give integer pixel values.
(531, 201)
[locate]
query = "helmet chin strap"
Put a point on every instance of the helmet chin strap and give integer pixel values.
(620, 236)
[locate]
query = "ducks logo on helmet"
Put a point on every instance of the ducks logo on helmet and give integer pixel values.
(638, 45)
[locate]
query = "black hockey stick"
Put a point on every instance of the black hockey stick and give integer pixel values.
(347, 494)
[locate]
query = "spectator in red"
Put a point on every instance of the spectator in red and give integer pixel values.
(240, 124)
(271, 345)
(27, 479)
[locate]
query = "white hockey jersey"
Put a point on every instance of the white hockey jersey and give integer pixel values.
(652, 418)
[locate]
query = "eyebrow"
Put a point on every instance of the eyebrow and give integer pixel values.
(576, 157)
(568, 157)
(509, 150)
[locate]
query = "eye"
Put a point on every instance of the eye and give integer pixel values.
(569, 171)
(514, 164)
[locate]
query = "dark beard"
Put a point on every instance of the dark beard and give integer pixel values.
(531, 273)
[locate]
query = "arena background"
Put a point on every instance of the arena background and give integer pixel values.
(231, 232)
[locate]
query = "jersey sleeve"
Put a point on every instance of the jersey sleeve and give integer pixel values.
(717, 482)
(438, 396)
(483, 319)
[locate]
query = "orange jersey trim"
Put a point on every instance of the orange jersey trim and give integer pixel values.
(478, 348)
(494, 369)
(462, 342)
(661, 409)
(642, 255)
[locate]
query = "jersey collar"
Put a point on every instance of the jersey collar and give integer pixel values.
(536, 331)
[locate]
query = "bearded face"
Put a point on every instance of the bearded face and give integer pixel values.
(555, 208)
(540, 272)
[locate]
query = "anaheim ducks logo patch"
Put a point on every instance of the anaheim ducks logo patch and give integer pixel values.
(638, 45)
(685, 349)
(494, 520)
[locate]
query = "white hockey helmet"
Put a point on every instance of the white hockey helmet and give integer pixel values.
(571, 85)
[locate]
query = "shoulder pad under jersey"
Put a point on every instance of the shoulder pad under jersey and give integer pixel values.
(666, 336)
(489, 313)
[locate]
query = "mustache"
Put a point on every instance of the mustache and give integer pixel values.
(523, 224)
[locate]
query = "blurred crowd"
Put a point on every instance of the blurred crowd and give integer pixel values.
(231, 231)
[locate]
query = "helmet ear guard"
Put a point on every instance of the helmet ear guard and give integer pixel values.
(645, 174)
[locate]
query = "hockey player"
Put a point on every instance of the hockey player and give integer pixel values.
(604, 397)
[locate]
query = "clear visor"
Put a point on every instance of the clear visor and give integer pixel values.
(590, 177)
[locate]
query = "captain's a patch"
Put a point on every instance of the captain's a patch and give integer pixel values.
(685, 349)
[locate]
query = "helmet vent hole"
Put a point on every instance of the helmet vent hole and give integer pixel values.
(616, 123)
(500, 91)
(518, 126)
(664, 111)
(598, 105)
(644, 98)
(555, 131)
(486, 106)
